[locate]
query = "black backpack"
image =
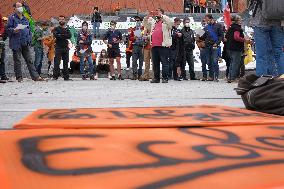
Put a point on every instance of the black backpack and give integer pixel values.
(263, 94)
(270, 9)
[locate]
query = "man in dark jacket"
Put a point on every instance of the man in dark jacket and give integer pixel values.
(235, 45)
(61, 34)
(213, 37)
(96, 21)
(20, 37)
(188, 44)
(137, 52)
(176, 34)
(3, 37)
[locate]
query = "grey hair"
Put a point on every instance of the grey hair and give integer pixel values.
(235, 18)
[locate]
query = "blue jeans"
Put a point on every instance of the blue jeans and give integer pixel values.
(203, 58)
(212, 61)
(96, 28)
(91, 66)
(269, 42)
(160, 55)
(236, 60)
(38, 59)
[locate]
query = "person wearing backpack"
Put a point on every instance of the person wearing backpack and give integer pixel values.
(267, 20)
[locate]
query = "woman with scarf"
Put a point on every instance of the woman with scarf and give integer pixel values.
(84, 51)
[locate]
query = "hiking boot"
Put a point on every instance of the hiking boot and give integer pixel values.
(120, 77)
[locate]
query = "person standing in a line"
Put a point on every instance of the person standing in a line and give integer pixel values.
(61, 34)
(112, 38)
(96, 21)
(160, 26)
(20, 39)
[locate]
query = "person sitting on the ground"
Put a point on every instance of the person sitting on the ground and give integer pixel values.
(103, 64)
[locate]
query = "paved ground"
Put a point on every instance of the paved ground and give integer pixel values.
(20, 99)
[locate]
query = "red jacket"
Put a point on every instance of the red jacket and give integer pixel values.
(1, 26)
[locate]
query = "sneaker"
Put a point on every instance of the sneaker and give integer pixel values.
(193, 79)
(96, 77)
(165, 81)
(120, 77)
(4, 78)
(68, 79)
(216, 80)
(92, 77)
(127, 69)
(3, 81)
(155, 81)
(20, 80)
(113, 78)
(39, 79)
(204, 79)
(210, 79)
(185, 79)
(84, 77)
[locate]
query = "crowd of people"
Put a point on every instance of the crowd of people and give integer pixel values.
(156, 38)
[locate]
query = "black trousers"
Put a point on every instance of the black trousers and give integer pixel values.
(61, 54)
(160, 55)
(128, 56)
(188, 57)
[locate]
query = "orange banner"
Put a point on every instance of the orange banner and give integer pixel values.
(234, 157)
(147, 117)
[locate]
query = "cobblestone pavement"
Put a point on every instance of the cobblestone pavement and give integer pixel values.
(20, 99)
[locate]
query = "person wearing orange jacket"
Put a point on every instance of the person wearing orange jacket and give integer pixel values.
(49, 44)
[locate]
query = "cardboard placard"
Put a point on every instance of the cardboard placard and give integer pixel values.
(152, 117)
(234, 157)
